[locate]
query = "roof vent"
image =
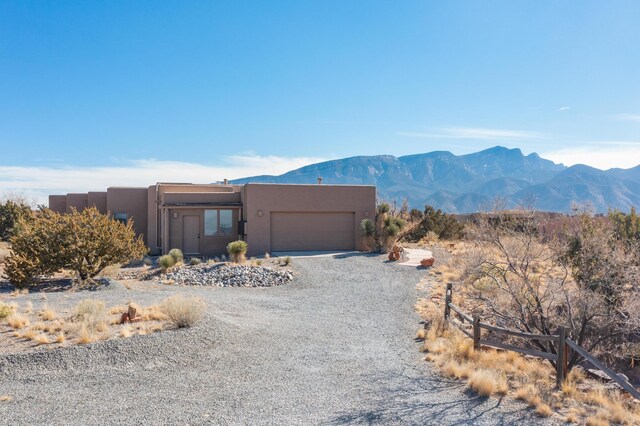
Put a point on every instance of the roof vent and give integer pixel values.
(320, 180)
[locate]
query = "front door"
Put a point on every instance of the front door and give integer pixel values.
(191, 234)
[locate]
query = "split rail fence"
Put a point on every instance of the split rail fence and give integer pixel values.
(561, 341)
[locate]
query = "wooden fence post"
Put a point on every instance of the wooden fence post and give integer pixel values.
(447, 300)
(476, 332)
(561, 363)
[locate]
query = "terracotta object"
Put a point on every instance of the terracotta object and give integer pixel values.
(427, 262)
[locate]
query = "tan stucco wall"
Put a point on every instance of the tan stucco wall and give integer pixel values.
(269, 198)
(98, 200)
(133, 201)
(201, 197)
(58, 203)
(77, 201)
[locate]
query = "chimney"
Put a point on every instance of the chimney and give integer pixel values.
(320, 180)
(226, 182)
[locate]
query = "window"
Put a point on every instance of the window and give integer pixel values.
(218, 222)
(120, 217)
(226, 222)
(210, 222)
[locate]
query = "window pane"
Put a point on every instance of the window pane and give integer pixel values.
(120, 217)
(226, 222)
(210, 222)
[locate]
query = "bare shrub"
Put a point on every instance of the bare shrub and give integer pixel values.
(183, 311)
(581, 279)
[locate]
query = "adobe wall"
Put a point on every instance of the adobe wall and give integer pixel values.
(98, 200)
(266, 198)
(133, 201)
(58, 203)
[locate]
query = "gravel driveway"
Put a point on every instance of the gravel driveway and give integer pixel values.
(332, 347)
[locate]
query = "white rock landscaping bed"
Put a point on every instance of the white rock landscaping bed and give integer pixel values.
(226, 275)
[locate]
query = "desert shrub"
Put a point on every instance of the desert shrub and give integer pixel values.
(286, 261)
(147, 261)
(183, 311)
(626, 226)
(84, 242)
(367, 228)
(415, 215)
(177, 255)
(12, 213)
(237, 251)
(368, 231)
(167, 261)
(584, 279)
(5, 310)
(444, 225)
(195, 261)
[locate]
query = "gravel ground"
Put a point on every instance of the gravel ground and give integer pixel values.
(333, 346)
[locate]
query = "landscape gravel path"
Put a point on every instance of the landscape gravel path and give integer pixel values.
(333, 346)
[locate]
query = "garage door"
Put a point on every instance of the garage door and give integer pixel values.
(312, 231)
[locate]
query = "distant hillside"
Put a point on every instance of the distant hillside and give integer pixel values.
(469, 183)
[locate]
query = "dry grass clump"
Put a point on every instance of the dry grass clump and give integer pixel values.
(183, 311)
(484, 382)
(17, 321)
(489, 372)
(47, 314)
(41, 339)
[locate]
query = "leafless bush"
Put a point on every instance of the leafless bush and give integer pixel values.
(582, 279)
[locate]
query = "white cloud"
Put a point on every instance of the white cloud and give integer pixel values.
(564, 108)
(626, 117)
(602, 155)
(473, 133)
(39, 182)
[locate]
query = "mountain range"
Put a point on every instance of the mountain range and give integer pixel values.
(472, 182)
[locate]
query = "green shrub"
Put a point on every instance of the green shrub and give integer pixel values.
(383, 208)
(11, 214)
(177, 255)
(195, 261)
(237, 251)
(5, 310)
(367, 228)
(84, 242)
(393, 225)
(167, 261)
(445, 226)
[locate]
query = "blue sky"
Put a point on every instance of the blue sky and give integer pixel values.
(100, 93)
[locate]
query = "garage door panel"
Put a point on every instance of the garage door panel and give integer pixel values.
(312, 231)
